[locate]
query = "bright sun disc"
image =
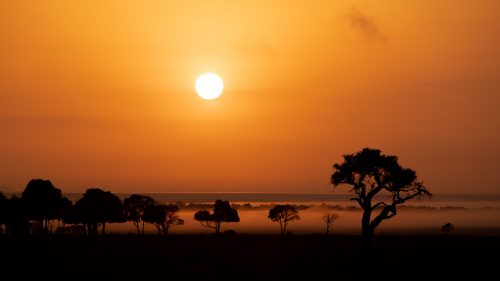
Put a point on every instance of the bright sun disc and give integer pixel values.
(209, 86)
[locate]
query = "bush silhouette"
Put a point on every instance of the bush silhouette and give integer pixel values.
(223, 212)
(447, 228)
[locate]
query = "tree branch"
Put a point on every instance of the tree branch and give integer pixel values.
(207, 224)
(378, 204)
(387, 212)
(400, 200)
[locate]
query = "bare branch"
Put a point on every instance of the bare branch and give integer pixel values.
(378, 204)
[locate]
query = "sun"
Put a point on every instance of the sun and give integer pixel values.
(209, 86)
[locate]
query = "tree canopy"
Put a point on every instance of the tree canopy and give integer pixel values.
(43, 202)
(134, 207)
(97, 207)
(223, 212)
(379, 184)
(162, 216)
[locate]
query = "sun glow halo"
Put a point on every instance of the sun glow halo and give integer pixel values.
(209, 86)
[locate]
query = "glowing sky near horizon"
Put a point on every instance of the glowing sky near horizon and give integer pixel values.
(100, 93)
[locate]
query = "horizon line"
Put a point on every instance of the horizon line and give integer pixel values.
(251, 192)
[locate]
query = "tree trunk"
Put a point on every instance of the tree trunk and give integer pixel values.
(103, 229)
(136, 223)
(367, 236)
(142, 228)
(284, 228)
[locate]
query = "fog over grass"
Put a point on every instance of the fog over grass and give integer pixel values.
(412, 219)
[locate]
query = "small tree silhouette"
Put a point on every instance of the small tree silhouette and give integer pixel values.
(283, 214)
(134, 208)
(162, 216)
(447, 228)
(329, 218)
(171, 218)
(223, 212)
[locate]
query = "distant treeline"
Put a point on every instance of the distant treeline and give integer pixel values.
(42, 209)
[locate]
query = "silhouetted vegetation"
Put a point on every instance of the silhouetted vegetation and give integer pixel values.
(223, 212)
(134, 208)
(250, 256)
(283, 214)
(16, 217)
(97, 207)
(43, 203)
(238, 206)
(329, 218)
(35, 211)
(3, 212)
(162, 216)
(447, 228)
(371, 173)
(452, 208)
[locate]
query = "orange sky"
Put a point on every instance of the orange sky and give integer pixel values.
(101, 93)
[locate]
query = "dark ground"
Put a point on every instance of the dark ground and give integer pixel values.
(247, 257)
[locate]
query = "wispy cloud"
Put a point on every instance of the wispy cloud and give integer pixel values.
(366, 25)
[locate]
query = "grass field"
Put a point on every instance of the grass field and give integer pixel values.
(247, 257)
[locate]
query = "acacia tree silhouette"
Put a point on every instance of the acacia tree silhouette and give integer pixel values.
(283, 214)
(223, 212)
(372, 173)
(134, 207)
